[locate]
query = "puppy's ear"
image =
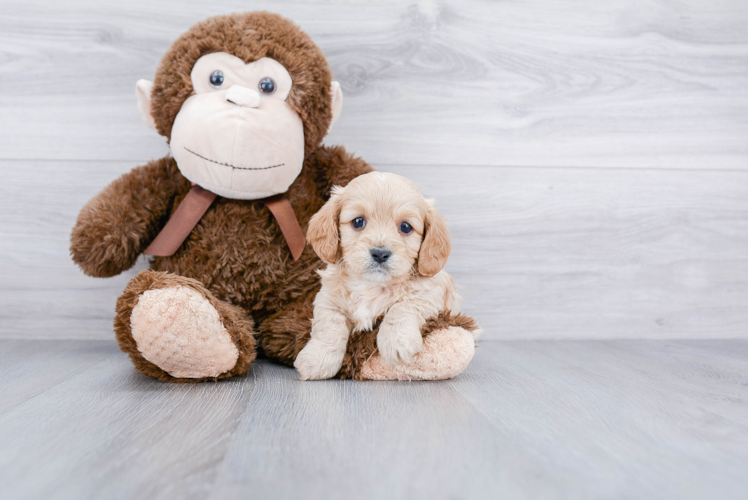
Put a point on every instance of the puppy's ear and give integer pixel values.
(435, 247)
(323, 228)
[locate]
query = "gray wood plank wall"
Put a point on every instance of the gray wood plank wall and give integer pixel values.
(592, 157)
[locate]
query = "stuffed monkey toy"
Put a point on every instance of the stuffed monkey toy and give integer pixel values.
(244, 101)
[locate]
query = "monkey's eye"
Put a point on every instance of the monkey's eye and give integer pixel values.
(267, 86)
(359, 222)
(405, 227)
(216, 79)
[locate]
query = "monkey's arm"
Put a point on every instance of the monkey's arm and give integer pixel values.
(337, 167)
(117, 225)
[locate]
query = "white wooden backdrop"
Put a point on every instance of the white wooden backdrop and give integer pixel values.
(592, 156)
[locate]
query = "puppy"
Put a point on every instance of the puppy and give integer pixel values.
(385, 246)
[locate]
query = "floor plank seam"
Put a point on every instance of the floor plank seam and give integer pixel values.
(64, 380)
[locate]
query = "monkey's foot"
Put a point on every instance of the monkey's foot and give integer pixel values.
(445, 354)
(175, 330)
(448, 347)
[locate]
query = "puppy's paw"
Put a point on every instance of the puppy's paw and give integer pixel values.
(398, 346)
(317, 361)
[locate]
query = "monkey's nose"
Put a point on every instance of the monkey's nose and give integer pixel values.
(243, 96)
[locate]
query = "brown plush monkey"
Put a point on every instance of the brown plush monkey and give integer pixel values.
(244, 101)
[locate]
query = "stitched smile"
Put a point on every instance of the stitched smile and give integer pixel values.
(232, 166)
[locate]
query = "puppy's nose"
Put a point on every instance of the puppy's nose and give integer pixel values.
(243, 96)
(380, 254)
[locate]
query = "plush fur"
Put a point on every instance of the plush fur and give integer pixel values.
(250, 36)
(289, 332)
(448, 357)
(235, 268)
(407, 288)
(445, 354)
(236, 321)
(179, 330)
(236, 255)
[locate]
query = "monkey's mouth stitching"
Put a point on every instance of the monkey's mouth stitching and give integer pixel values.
(232, 166)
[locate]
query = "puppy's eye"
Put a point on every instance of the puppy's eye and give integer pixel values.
(267, 86)
(405, 227)
(358, 222)
(216, 79)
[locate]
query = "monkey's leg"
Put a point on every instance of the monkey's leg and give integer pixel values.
(448, 348)
(284, 334)
(175, 330)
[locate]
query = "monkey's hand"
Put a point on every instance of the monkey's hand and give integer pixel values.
(399, 337)
(115, 227)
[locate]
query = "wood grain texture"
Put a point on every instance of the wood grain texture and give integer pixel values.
(528, 419)
(625, 419)
(540, 253)
(28, 368)
(536, 83)
(111, 432)
(371, 440)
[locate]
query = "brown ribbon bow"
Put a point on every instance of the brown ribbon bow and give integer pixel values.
(197, 202)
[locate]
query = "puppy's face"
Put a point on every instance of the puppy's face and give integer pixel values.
(380, 228)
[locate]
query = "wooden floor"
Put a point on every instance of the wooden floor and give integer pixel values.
(529, 419)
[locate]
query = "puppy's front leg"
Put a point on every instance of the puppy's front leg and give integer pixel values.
(399, 337)
(323, 356)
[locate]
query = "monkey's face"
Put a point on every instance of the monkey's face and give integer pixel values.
(242, 99)
(237, 136)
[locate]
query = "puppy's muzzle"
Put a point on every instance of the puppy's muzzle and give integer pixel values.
(380, 254)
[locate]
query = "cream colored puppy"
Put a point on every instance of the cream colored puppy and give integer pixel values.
(386, 246)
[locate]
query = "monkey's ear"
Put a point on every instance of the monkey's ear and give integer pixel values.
(337, 102)
(323, 231)
(435, 247)
(143, 93)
